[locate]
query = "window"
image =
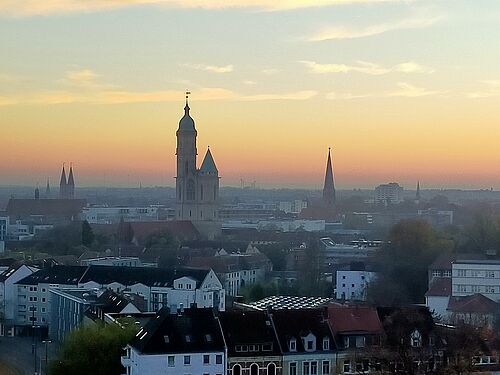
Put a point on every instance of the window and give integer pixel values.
(293, 345)
(309, 345)
(343, 277)
(314, 368)
(190, 190)
(347, 366)
(254, 369)
(346, 342)
(218, 359)
(293, 368)
(171, 361)
(447, 273)
(436, 273)
(326, 368)
(44, 299)
(326, 343)
(206, 359)
(461, 273)
(187, 360)
(360, 342)
(462, 288)
(306, 368)
(236, 370)
(416, 339)
(271, 369)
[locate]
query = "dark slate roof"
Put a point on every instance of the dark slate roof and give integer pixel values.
(69, 275)
(73, 275)
(249, 328)
(111, 302)
(45, 207)
(440, 287)
(208, 166)
(194, 330)
(144, 275)
(299, 323)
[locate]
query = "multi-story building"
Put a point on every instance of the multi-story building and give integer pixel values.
(4, 227)
(352, 282)
(184, 341)
(159, 288)
(390, 193)
(112, 215)
(476, 276)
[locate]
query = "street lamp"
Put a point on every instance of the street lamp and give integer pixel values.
(46, 342)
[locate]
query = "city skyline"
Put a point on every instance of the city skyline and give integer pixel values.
(401, 90)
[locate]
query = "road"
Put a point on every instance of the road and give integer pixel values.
(16, 353)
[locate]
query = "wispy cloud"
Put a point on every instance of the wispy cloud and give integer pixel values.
(405, 90)
(211, 68)
(350, 32)
(298, 95)
(39, 7)
(366, 68)
(491, 89)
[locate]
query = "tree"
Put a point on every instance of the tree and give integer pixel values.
(87, 234)
(125, 233)
(164, 246)
(94, 349)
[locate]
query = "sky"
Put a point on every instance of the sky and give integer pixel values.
(401, 90)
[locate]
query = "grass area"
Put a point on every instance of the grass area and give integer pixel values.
(7, 370)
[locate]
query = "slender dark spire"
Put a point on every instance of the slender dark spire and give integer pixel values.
(63, 184)
(329, 187)
(417, 196)
(47, 189)
(186, 108)
(37, 192)
(71, 183)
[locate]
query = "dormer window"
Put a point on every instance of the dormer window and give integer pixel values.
(416, 339)
(326, 343)
(309, 342)
(293, 344)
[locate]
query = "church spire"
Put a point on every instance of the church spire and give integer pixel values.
(47, 189)
(417, 195)
(186, 107)
(71, 183)
(63, 185)
(329, 187)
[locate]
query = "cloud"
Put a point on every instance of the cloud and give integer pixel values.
(298, 95)
(349, 32)
(211, 68)
(365, 68)
(404, 90)
(45, 7)
(492, 89)
(81, 76)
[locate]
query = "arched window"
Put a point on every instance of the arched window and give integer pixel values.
(236, 370)
(201, 192)
(254, 369)
(190, 190)
(271, 369)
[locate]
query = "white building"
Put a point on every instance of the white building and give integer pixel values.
(112, 261)
(390, 193)
(159, 288)
(111, 215)
(186, 341)
(294, 207)
(4, 227)
(476, 276)
(352, 284)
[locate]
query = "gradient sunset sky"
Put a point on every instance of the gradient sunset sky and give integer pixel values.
(401, 90)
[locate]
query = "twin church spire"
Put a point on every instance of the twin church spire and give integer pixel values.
(67, 187)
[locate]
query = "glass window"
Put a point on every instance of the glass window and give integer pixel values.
(326, 367)
(218, 359)
(171, 361)
(187, 359)
(314, 368)
(306, 368)
(206, 359)
(293, 368)
(347, 366)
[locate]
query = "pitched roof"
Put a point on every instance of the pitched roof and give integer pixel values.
(299, 323)
(208, 166)
(194, 330)
(104, 275)
(476, 303)
(249, 328)
(46, 207)
(290, 302)
(354, 319)
(440, 287)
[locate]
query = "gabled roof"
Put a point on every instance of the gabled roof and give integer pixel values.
(67, 275)
(208, 166)
(249, 328)
(194, 330)
(46, 207)
(474, 304)
(299, 323)
(360, 319)
(440, 287)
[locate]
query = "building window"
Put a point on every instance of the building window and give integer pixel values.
(271, 369)
(326, 343)
(326, 368)
(254, 369)
(346, 368)
(293, 345)
(309, 345)
(461, 273)
(218, 359)
(416, 339)
(206, 359)
(187, 360)
(447, 273)
(360, 342)
(171, 361)
(236, 370)
(306, 368)
(190, 190)
(314, 368)
(293, 368)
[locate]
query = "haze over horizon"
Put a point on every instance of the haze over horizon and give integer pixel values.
(401, 90)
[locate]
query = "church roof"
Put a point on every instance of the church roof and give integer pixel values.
(208, 166)
(63, 177)
(187, 123)
(71, 180)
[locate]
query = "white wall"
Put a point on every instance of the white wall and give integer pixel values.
(437, 306)
(472, 278)
(352, 284)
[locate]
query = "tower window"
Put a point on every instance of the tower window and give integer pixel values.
(189, 213)
(190, 191)
(201, 214)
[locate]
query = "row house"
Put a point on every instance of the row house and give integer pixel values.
(158, 287)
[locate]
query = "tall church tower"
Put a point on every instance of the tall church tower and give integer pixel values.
(63, 185)
(329, 187)
(197, 190)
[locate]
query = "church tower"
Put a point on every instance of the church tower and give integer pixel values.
(63, 185)
(70, 192)
(329, 187)
(197, 190)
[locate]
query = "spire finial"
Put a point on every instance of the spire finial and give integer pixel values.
(186, 108)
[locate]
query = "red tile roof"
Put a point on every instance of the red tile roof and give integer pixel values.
(440, 287)
(354, 318)
(476, 303)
